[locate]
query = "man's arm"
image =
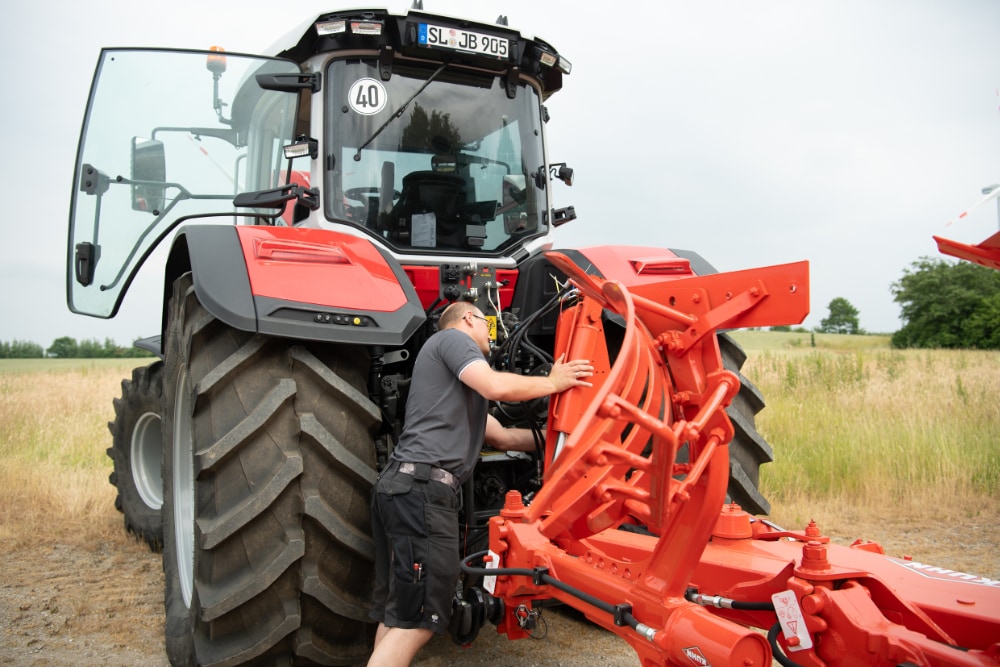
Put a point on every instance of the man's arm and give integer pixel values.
(508, 439)
(510, 387)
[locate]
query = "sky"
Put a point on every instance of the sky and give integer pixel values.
(753, 132)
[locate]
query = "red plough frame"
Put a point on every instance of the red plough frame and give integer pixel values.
(696, 581)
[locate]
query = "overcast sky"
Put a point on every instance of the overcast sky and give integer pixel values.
(843, 132)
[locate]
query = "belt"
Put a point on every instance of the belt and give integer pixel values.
(437, 474)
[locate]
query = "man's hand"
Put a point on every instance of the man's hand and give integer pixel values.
(565, 375)
(511, 387)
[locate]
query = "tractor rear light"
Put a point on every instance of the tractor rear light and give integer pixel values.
(331, 27)
(549, 59)
(299, 251)
(366, 27)
(661, 266)
(302, 148)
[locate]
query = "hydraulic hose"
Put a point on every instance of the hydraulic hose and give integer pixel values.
(725, 603)
(621, 613)
(772, 639)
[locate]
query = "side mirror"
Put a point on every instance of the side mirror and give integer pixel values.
(149, 175)
(562, 172)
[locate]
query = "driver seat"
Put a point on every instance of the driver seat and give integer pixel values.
(430, 211)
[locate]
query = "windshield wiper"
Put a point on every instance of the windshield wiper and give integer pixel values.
(399, 112)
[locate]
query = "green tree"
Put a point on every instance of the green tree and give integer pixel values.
(23, 349)
(90, 348)
(947, 304)
(430, 131)
(20, 349)
(64, 348)
(843, 318)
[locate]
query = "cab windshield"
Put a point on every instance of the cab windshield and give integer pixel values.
(450, 165)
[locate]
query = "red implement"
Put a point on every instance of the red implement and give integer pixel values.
(631, 525)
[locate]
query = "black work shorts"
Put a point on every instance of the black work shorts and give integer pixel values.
(415, 527)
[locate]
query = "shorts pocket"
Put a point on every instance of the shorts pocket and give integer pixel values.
(441, 522)
(394, 485)
(408, 584)
(409, 600)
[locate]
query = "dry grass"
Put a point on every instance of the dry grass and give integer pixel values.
(880, 444)
(56, 504)
(852, 427)
(53, 437)
(896, 447)
(909, 429)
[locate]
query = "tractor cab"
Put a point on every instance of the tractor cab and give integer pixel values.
(456, 167)
(420, 133)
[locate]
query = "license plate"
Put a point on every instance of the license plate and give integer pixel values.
(463, 40)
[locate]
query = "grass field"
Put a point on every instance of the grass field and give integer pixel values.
(856, 428)
(852, 419)
(863, 432)
(895, 447)
(53, 437)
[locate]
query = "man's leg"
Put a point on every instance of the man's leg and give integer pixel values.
(380, 633)
(396, 647)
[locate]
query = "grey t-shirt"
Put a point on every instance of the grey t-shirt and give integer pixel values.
(445, 419)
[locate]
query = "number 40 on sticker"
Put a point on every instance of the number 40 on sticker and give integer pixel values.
(367, 96)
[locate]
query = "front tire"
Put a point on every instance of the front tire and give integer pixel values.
(268, 467)
(137, 452)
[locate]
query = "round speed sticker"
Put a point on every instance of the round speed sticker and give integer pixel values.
(367, 96)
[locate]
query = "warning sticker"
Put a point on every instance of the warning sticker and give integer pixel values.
(792, 623)
(490, 583)
(367, 96)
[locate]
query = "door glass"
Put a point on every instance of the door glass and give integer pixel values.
(167, 134)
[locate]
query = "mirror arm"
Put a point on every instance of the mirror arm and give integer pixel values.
(230, 136)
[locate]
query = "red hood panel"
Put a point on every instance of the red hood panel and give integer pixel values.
(319, 267)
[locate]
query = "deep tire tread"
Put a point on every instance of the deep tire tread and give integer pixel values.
(284, 464)
(748, 449)
(142, 393)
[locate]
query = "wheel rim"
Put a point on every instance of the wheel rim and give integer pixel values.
(183, 490)
(146, 456)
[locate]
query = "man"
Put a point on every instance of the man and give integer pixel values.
(415, 502)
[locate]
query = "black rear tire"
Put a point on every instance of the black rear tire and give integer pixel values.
(748, 449)
(137, 452)
(268, 466)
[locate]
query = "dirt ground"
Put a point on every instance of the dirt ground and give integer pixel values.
(64, 603)
(69, 605)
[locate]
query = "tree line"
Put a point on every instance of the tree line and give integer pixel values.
(943, 304)
(68, 348)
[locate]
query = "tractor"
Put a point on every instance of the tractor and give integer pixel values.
(313, 211)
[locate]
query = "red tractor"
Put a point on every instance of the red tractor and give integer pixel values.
(320, 207)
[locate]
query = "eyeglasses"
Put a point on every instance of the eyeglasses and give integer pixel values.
(480, 318)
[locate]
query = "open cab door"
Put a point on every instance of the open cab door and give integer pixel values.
(168, 135)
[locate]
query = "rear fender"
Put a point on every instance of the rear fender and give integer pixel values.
(639, 265)
(538, 279)
(309, 284)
